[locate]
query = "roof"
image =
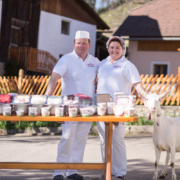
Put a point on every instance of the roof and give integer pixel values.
(100, 23)
(156, 19)
(75, 9)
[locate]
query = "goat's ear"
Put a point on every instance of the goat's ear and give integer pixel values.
(164, 95)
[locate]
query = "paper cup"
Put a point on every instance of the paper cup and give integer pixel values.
(6, 111)
(20, 112)
(32, 111)
(72, 112)
(85, 112)
(118, 110)
(110, 108)
(59, 111)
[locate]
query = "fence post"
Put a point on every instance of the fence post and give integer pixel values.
(20, 78)
(178, 99)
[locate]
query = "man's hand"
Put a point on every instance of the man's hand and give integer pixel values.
(52, 83)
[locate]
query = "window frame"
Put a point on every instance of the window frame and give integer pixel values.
(65, 20)
(159, 63)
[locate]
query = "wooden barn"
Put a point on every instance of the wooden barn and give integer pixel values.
(154, 37)
(38, 32)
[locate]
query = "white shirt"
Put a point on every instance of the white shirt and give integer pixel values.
(117, 76)
(77, 76)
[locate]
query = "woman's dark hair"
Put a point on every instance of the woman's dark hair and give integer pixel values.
(115, 40)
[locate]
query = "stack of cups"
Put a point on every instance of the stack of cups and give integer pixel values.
(110, 108)
(59, 111)
(101, 108)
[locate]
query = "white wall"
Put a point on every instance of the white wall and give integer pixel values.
(50, 38)
(144, 60)
(0, 13)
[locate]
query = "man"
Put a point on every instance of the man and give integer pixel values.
(77, 71)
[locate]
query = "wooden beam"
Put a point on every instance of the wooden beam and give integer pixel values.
(31, 165)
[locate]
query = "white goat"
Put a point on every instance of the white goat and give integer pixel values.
(166, 134)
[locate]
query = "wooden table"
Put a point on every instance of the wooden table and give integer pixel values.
(91, 166)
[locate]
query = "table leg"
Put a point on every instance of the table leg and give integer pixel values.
(108, 149)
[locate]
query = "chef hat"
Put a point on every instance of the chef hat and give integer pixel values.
(122, 43)
(82, 34)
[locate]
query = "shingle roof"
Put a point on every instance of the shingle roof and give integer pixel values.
(156, 19)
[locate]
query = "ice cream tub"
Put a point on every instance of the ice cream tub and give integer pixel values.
(85, 112)
(73, 112)
(101, 111)
(129, 111)
(20, 112)
(45, 111)
(92, 109)
(59, 111)
(32, 111)
(6, 110)
(110, 108)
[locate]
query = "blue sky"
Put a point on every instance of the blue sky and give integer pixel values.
(98, 3)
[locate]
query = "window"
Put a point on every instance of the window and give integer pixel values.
(160, 69)
(65, 26)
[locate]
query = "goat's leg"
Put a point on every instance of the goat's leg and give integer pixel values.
(172, 163)
(158, 154)
(164, 172)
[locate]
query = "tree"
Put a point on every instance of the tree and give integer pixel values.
(91, 3)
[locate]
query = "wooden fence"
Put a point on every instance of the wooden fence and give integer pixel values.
(33, 59)
(154, 84)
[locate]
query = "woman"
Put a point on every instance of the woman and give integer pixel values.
(117, 74)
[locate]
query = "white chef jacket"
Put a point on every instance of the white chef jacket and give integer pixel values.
(77, 76)
(117, 76)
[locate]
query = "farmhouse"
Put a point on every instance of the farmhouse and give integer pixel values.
(46, 28)
(154, 37)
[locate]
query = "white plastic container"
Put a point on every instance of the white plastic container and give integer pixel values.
(93, 109)
(73, 112)
(45, 111)
(129, 111)
(32, 111)
(101, 111)
(6, 110)
(85, 111)
(125, 100)
(59, 111)
(110, 108)
(118, 110)
(20, 112)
